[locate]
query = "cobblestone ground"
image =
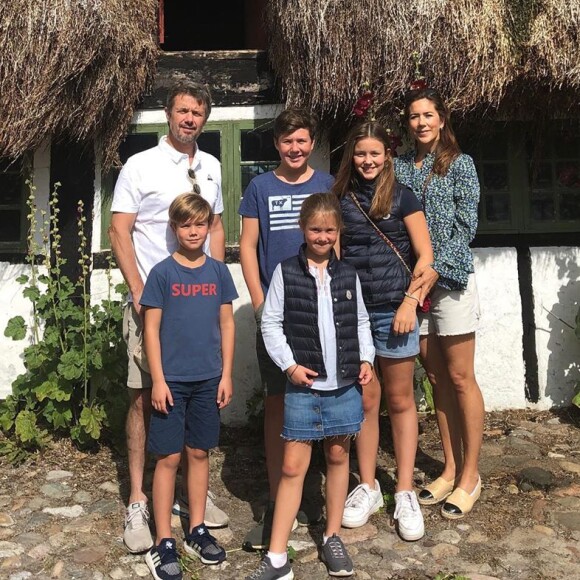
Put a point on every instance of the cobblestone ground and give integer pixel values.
(61, 513)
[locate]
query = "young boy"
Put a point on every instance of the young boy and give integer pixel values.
(189, 341)
(270, 234)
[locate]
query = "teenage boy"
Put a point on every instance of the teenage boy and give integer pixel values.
(189, 341)
(270, 234)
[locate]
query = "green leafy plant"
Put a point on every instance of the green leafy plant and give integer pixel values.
(424, 389)
(75, 363)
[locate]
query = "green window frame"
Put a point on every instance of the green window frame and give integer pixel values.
(230, 137)
(506, 158)
(13, 195)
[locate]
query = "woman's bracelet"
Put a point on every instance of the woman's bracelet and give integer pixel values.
(411, 297)
(289, 375)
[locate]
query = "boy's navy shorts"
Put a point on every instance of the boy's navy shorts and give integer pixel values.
(194, 419)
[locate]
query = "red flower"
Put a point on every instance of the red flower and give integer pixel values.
(363, 103)
(418, 85)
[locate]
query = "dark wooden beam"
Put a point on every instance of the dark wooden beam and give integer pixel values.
(235, 77)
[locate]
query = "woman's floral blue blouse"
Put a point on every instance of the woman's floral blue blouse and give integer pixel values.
(451, 211)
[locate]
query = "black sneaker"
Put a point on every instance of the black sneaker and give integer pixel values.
(267, 572)
(336, 558)
(258, 538)
(163, 561)
(202, 544)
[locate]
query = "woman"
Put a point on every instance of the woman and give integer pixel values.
(445, 181)
(384, 229)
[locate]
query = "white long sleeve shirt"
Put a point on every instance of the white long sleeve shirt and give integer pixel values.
(277, 344)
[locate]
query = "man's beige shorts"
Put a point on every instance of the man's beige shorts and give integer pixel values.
(133, 335)
(453, 312)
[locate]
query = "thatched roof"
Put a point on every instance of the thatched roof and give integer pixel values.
(73, 69)
(478, 53)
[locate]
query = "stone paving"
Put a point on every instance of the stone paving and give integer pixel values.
(61, 513)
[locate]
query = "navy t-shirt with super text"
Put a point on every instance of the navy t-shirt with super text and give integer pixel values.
(276, 204)
(190, 300)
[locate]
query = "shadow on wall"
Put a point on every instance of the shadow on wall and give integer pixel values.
(562, 367)
(246, 374)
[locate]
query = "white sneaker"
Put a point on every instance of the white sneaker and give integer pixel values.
(137, 536)
(408, 515)
(361, 503)
(214, 517)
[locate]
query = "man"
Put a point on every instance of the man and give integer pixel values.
(140, 238)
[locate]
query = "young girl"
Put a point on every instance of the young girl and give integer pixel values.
(384, 232)
(316, 329)
(446, 181)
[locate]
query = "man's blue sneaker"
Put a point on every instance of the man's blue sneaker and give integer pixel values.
(163, 561)
(202, 544)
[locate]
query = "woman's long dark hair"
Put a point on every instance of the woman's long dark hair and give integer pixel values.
(346, 178)
(447, 149)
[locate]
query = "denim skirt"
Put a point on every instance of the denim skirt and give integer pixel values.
(311, 415)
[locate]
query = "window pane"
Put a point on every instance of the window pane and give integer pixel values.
(495, 176)
(568, 174)
(250, 171)
(570, 206)
(10, 225)
(135, 143)
(497, 208)
(10, 188)
(541, 176)
(542, 207)
(258, 145)
(210, 142)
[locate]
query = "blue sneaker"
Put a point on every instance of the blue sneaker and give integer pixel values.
(163, 562)
(202, 544)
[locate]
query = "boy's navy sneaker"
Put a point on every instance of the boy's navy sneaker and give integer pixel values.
(163, 562)
(202, 544)
(336, 558)
(266, 571)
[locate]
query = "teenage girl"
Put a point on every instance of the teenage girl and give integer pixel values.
(385, 238)
(446, 181)
(316, 329)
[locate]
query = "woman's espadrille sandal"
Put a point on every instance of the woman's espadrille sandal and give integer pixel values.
(460, 503)
(436, 491)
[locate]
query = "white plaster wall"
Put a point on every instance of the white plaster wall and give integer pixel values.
(499, 364)
(556, 291)
(13, 303)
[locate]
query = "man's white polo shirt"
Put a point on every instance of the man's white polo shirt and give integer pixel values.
(147, 185)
